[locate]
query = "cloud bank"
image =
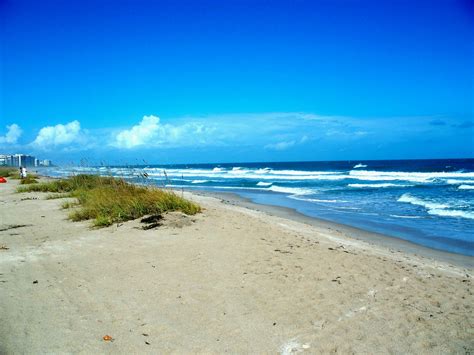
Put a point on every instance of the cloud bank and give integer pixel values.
(254, 136)
(13, 133)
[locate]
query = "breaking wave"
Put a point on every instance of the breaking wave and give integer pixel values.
(406, 176)
(466, 187)
(199, 181)
(451, 213)
(419, 202)
(437, 209)
(291, 190)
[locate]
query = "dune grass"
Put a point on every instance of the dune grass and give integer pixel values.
(30, 179)
(108, 200)
(6, 171)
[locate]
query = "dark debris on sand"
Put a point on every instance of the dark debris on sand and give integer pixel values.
(152, 221)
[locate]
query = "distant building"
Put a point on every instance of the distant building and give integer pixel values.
(25, 160)
(5, 160)
(18, 160)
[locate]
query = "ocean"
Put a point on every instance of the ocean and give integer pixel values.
(427, 202)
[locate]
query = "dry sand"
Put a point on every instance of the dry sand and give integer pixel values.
(231, 279)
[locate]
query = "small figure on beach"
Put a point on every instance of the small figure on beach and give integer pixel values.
(23, 172)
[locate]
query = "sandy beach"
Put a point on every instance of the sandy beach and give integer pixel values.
(234, 278)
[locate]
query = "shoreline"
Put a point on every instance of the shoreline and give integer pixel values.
(378, 239)
(374, 238)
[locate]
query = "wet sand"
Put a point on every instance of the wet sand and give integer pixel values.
(234, 278)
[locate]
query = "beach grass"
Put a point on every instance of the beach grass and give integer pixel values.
(30, 179)
(107, 200)
(6, 171)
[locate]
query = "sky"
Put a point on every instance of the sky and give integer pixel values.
(123, 82)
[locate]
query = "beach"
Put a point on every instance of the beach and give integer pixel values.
(425, 202)
(235, 278)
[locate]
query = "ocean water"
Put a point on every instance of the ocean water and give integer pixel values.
(427, 202)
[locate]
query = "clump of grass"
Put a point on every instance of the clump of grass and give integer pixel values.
(6, 171)
(72, 183)
(69, 204)
(30, 179)
(106, 200)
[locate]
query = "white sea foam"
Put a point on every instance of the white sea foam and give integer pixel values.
(296, 197)
(257, 174)
(199, 181)
(364, 186)
(406, 217)
(405, 176)
(466, 187)
(451, 213)
(265, 174)
(436, 209)
(261, 183)
(459, 182)
(419, 202)
(291, 190)
(359, 166)
(302, 175)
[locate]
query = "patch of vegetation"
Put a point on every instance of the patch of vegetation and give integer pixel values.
(6, 171)
(71, 184)
(107, 200)
(69, 204)
(30, 179)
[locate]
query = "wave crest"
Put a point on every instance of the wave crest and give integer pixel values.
(437, 209)
(466, 187)
(291, 190)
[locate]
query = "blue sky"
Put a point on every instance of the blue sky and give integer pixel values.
(222, 81)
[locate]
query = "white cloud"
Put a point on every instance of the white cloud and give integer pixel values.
(150, 132)
(140, 134)
(52, 136)
(280, 145)
(13, 133)
(286, 144)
